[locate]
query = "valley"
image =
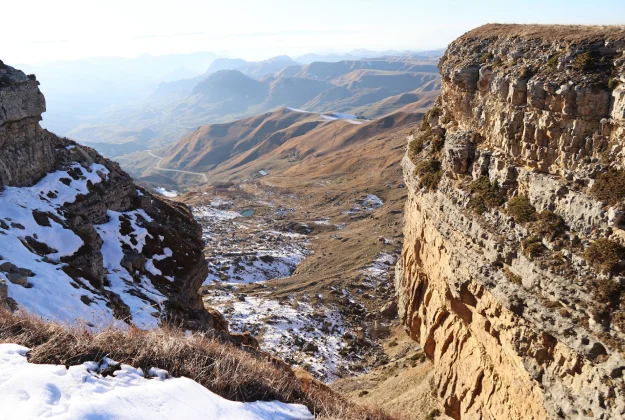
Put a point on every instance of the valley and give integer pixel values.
(390, 235)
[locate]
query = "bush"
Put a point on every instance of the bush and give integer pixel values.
(533, 247)
(429, 172)
(584, 62)
(485, 195)
(610, 186)
(553, 61)
(605, 254)
(486, 57)
(521, 209)
(549, 225)
(418, 144)
(415, 147)
(513, 278)
(608, 292)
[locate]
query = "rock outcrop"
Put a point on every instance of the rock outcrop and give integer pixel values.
(77, 237)
(511, 275)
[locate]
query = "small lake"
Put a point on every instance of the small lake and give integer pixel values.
(247, 213)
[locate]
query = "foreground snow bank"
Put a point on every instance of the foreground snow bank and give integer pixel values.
(29, 391)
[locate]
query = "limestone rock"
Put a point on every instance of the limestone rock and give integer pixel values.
(510, 335)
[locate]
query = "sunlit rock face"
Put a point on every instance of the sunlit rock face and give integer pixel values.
(519, 322)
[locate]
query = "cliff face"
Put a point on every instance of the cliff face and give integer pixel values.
(511, 275)
(78, 239)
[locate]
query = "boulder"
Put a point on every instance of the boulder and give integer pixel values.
(17, 278)
(389, 311)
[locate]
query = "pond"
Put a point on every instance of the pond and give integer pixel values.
(247, 213)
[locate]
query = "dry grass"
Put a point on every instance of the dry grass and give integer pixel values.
(571, 33)
(234, 373)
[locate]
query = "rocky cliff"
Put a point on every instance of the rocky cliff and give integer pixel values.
(511, 275)
(78, 239)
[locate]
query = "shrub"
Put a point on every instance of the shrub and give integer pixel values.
(513, 278)
(533, 247)
(613, 83)
(485, 195)
(584, 62)
(553, 61)
(521, 209)
(610, 186)
(486, 57)
(548, 225)
(430, 173)
(608, 292)
(604, 254)
(415, 147)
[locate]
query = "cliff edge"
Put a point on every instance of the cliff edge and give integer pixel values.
(512, 274)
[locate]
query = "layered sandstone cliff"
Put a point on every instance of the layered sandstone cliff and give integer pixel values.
(511, 275)
(78, 239)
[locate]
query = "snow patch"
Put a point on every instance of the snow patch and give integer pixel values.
(50, 293)
(31, 391)
(166, 193)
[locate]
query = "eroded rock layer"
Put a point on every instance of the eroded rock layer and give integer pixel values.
(78, 239)
(511, 275)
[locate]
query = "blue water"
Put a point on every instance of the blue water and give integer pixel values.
(247, 213)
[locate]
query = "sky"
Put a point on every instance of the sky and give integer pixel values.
(40, 31)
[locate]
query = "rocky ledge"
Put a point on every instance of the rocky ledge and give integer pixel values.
(79, 240)
(512, 271)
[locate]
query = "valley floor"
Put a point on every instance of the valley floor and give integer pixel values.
(307, 266)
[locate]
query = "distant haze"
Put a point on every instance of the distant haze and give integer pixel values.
(42, 30)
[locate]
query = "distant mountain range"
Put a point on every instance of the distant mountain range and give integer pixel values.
(370, 88)
(79, 89)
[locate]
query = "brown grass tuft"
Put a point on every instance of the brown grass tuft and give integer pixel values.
(234, 373)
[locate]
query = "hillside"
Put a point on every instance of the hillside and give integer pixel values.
(272, 141)
(180, 107)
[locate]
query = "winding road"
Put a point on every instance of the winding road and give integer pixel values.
(158, 168)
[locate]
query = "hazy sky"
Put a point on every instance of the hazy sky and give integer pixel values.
(42, 30)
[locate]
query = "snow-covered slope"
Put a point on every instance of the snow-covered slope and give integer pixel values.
(78, 239)
(31, 391)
